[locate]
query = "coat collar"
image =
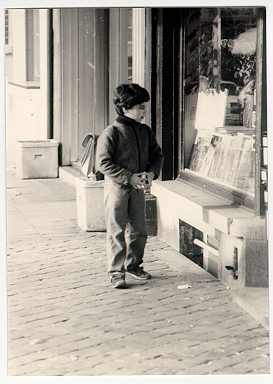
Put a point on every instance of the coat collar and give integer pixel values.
(127, 121)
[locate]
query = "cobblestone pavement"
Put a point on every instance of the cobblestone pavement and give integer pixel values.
(64, 318)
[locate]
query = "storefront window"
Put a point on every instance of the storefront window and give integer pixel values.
(220, 95)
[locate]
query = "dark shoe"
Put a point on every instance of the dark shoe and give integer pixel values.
(118, 282)
(139, 273)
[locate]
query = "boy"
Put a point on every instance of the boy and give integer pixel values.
(130, 158)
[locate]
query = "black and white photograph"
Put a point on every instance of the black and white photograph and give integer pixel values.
(135, 191)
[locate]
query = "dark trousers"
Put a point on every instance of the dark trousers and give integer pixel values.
(126, 226)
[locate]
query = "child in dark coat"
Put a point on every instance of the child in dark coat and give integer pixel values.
(130, 158)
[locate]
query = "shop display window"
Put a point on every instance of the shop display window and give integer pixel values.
(220, 96)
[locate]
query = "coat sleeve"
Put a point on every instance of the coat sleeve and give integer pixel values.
(104, 158)
(156, 157)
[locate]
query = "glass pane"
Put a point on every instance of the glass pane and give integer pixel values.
(220, 99)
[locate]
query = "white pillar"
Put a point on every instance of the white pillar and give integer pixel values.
(139, 46)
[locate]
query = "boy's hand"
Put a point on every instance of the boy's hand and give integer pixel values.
(138, 182)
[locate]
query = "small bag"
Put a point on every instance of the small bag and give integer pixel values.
(87, 161)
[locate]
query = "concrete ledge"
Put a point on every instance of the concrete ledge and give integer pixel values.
(184, 266)
(202, 206)
(234, 228)
(69, 174)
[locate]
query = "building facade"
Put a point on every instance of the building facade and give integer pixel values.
(205, 69)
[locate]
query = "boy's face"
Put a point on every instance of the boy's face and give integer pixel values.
(137, 112)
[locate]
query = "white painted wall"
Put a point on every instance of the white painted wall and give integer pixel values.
(26, 109)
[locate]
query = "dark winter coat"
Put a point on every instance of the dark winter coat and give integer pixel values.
(128, 147)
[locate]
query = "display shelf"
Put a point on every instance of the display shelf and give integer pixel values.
(226, 158)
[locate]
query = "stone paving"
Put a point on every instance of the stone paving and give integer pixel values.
(64, 318)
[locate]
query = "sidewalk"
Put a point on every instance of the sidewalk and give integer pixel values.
(65, 319)
(254, 300)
